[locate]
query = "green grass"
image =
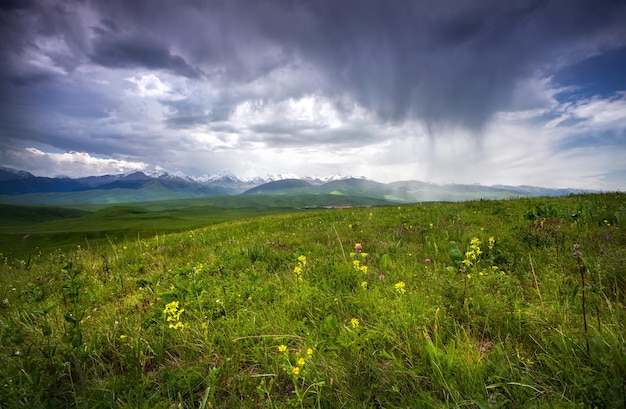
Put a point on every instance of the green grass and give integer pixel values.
(328, 309)
(25, 230)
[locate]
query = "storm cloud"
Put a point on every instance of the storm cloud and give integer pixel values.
(441, 61)
(437, 67)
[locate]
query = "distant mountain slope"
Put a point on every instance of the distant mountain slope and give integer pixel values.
(20, 187)
(542, 191)
(13, 174)
(405, 191)
(282, 187)
(354, 187)
(39, 185)
(146, 193)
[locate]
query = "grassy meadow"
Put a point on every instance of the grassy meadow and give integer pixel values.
(483, 304)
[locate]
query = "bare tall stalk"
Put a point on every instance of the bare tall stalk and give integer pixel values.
(581, 267)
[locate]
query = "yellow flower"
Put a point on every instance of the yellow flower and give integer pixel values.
(123, 336)
(309, 351)
(172, 312)
(302, 259)
(298, 270)
(469, 276)
(364, 284)
(301, 362)
(171, 308)
(363, 269)
(400, 287)
(295, 370)
(282, 348)
(364, 255)
(354, 322)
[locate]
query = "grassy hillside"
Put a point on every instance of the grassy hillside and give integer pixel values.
(25, 230)
(19, 215)
(491, 304)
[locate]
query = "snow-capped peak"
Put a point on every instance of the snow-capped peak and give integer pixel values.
(325, 179)
(224, 176)
(20, 174)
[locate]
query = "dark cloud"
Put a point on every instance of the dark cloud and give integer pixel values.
(443, 62)
(124, 51)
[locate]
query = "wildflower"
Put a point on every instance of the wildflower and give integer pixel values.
(363, 269)
(295, 370)
(364, 284)
(469, 276)
(302, 260)
(358, 247)
(400, 287)
(381, 276)
(354, 322)
(282, 348)
(364, 255)
(172, 312)
(123, 336)
(577, 252)
(309, 351)
(301, 362)
(178, 325)
(427, 261)
(491, 243)
(297, 269)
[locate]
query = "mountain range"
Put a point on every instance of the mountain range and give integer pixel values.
(21, 187)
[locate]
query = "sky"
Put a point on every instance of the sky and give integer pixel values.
(517, 92)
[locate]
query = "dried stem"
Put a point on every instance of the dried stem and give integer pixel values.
(581, 267)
